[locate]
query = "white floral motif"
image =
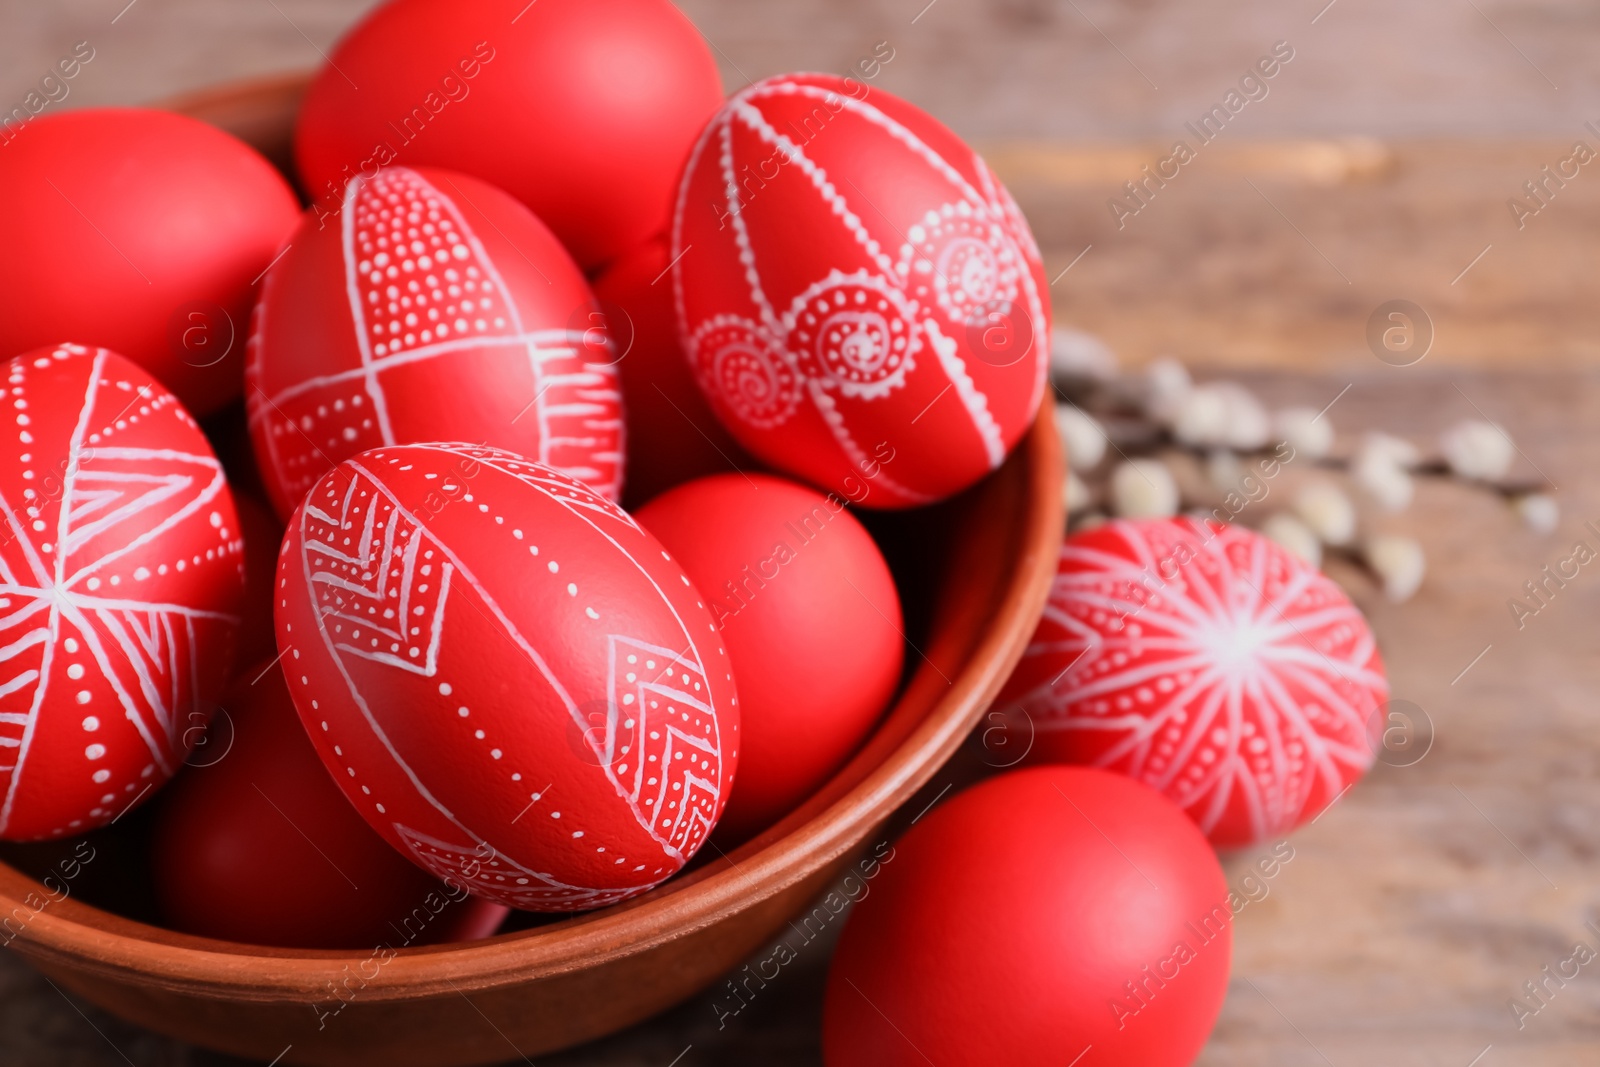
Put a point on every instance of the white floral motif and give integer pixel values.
(737, 361)
(962, 265)
(855, 333)
(964, 261)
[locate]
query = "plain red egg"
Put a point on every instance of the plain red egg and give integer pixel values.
(853, 283)
(1209, 663)
(433, 308)
(124, 579)
(257, 845)
(672, 434)
(510, 679)
(582, 109)
(811, 618)
(145, 232)
(1050, 916)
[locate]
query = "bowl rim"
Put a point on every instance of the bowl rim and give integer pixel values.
(85, 939)
(98, 940)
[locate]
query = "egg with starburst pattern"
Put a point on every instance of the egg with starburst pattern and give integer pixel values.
(1208, 662)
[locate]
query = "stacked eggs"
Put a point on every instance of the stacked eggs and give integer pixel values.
(522, 290)
(565, 383)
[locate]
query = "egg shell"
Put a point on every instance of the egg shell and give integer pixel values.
(256, 844)
(673, 436)
(124, 576)
(433, 308)
(851, 278)
(1048, 916)
(1209, 663)
(498, 665)
(582, 109)
(145, 232)
(811, 618)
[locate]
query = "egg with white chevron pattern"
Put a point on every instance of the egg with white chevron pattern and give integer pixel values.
(851, 280)
(512, 681)
(1208, 662)
(121, 582)
(428, 306)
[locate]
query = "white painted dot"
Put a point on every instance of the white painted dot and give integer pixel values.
(95, 751)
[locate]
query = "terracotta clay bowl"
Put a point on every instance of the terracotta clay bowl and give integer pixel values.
(973, 573)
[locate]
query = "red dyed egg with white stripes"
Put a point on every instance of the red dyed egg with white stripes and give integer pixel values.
(853, 281)
(510, 679)
(1208, 662)
(123, 578)
(430, 307)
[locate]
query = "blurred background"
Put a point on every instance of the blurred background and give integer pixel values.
(1454, 106)
(1382, 163)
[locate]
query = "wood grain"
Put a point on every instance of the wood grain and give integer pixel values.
(1276, 255)
(1415, 909)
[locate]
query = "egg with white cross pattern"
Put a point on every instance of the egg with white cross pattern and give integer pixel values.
(430, 307)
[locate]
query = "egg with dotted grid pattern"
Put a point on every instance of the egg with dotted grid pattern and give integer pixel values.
(512, 681)
(848, 272)
(1207, 662)
(123, 578)
(428, 306)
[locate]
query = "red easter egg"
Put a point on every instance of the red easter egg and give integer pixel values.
(852, 281)
(1050, 916)
(143, 231)
(433, 308)
(510, 679)
(124, 578)
(672, 434)
(256, 844)
(1209, 663)
(582, 109)
(809, 613)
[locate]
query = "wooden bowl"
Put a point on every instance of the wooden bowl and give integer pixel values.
(974, 573)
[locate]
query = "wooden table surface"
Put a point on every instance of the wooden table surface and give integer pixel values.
(1416, 908)
(1414, 911)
